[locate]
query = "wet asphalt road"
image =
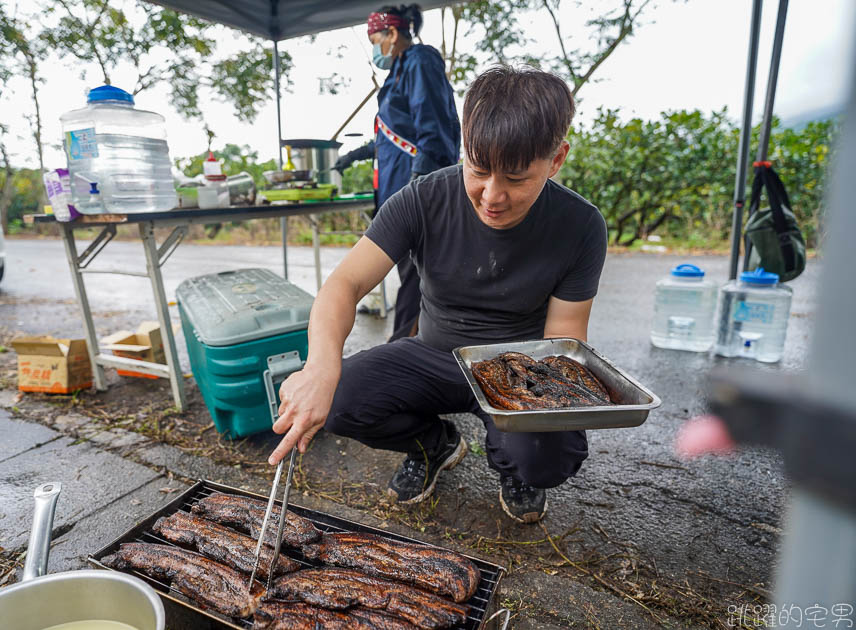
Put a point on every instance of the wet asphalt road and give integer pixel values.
(715, 516)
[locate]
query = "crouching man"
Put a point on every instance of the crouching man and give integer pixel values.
(504, 254)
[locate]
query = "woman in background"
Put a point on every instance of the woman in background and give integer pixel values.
(417, 130)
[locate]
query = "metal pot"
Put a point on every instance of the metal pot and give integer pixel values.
(41, 601)
(318, 156)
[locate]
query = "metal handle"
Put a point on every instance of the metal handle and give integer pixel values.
(499, 612)
(38, 549)
(279, 366)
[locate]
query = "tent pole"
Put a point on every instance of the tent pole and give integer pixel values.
(764, 140)
(745, 139)
(283, 222)
(767, 123)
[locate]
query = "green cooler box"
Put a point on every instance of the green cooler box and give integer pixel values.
(245, 330)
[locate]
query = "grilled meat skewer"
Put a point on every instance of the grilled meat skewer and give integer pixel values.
(276, 615)
(221, 544)
(344, 588)
(206, 582)
(247, 515)
(438, 570)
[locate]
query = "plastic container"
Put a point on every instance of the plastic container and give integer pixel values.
(212, 169)
(122, 151)
(58, 189)
(232, 322)
(242, 189)
(753, 317)
(684, 307)
(213, 195)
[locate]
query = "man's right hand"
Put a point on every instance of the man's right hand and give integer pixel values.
(306, 398)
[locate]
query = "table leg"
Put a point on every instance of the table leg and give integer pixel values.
(283, 226)
(83, 302)
(153, 263)
(316, 248)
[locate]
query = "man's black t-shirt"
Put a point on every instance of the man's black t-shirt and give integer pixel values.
(483, 285)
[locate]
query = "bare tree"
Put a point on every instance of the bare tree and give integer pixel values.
(501, 38)
(20, 53)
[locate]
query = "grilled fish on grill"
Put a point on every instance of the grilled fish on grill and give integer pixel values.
(221, 544)
(209, 583)
(345, 588)
(276, 615)
(438, 570)
(247, 515)
(516, 381)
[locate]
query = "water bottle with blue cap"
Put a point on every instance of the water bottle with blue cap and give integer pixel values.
(684, 305)
(753, 317)
(118, 158)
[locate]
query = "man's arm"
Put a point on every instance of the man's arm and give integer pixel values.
(567, 319)
(308, 394)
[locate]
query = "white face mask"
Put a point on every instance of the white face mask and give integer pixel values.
(384, 62)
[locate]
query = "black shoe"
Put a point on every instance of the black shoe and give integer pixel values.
(415, 479)
(523, 503)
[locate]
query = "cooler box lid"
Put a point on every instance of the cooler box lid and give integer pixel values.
(237, 306)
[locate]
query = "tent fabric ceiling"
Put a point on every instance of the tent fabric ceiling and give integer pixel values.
(282, 19)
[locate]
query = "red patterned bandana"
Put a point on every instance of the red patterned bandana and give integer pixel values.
(382, 21)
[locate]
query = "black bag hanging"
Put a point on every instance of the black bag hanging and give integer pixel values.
(777, 243)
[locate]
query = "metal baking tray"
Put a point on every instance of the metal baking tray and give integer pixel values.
(634, 400)
(183, 614)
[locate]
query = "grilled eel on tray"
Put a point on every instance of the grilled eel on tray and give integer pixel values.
(344, 588)
(438, 570)
(205, 581)
(516, 381)
(221, 543)
(247, 515)
(276, 615)
(225, 590)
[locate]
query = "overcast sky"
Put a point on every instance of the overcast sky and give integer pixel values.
(687, 55)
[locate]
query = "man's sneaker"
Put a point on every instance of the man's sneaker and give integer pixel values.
(415, 479)
(523, 503)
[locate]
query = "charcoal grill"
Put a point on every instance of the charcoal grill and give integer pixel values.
(183, 614)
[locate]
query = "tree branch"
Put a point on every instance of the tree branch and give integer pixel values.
(627, 22)
(568, 64)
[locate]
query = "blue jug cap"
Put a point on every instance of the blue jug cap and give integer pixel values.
(93, 188)
(688, 271)
(108, 93)
(759, 276)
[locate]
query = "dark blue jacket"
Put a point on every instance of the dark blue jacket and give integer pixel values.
(417, 103)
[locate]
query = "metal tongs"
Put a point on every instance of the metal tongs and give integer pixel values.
(280, 525)
(279, 366)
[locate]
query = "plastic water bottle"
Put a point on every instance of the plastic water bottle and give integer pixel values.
(118, 158)
(684, 305)
(753, 317)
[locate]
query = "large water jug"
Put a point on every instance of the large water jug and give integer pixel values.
(684, 305)
(753, 317)
(118, 158)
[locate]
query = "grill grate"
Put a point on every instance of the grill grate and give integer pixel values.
(479, 604)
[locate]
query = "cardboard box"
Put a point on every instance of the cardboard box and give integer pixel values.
(57, 366)
(145, 345)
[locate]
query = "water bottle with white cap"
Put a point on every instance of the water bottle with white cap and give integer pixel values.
(753, 317)
(684, 305)
(118, 158)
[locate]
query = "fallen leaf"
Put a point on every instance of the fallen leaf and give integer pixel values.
(169, 490)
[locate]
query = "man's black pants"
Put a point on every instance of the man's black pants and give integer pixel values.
(389, 397)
